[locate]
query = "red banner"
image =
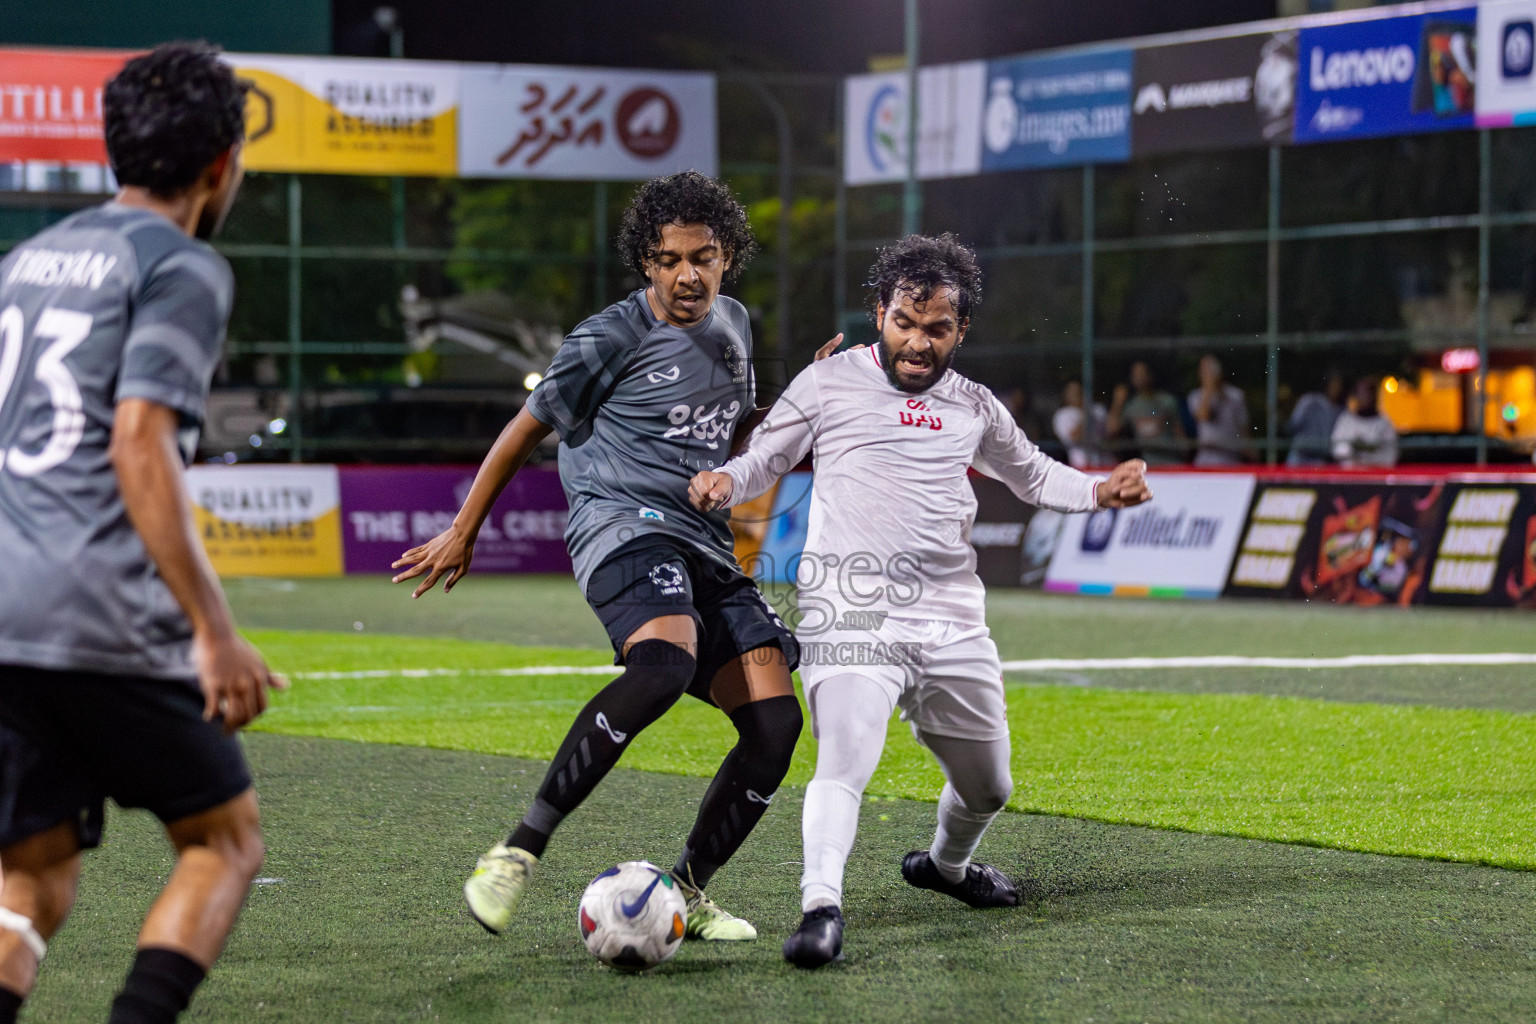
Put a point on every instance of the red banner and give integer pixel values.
(50, 104)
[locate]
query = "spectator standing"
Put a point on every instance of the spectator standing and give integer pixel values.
(1363, 436)
(1311, 423)
(1150, 416)
(1221, 418)
(1080, 428)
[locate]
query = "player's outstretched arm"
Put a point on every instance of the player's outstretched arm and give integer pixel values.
(145, 456)
(1127, 486)
(451, 551)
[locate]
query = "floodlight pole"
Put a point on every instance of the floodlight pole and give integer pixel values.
(912, 196)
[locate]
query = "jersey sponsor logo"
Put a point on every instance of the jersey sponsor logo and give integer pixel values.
(694, 422)
(667, 377)
(667, 579)
(47, 267)
(917, 414)
(613, 734)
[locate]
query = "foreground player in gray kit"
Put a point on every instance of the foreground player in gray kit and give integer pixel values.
(643, 395)
(121, 673)
(892, 612)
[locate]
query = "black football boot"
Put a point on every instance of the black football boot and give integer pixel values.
(819, 939)
(982, 886)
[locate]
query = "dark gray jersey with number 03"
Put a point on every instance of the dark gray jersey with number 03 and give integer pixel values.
(110, 304)
(642, 405)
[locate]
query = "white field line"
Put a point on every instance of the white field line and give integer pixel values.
(1032, 665)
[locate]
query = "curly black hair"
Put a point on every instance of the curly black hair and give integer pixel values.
(685, 198)
(922, 264)
(169, 114)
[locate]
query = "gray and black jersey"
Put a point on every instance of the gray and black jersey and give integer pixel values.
(112, 303)
(641, 405)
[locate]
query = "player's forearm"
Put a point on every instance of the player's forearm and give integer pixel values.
(517, 441)
(150, 479)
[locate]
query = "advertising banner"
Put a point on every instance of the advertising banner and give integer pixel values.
(1178, 545)
(1388, 76)
(1506, 45)
(1217, 93)
(784, 541)
(268, 520)
(50, 104)
(330, 115)
(1360, 543)
(1057, 111)
(525, 121)
(390, 509)
(948, 123)
(1014, 542)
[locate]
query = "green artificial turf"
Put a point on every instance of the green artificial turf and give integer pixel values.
(1458, 784)
(358, 917)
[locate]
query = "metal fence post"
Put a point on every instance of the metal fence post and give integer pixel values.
(1089, 230)
(599, 246)
(1272, 318)
(295, 428)
(1484, 266)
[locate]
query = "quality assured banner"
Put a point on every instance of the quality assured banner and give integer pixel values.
(343, 116)
(949, 100)
(1388, 76)
(1217, 93)
(576, 123)
(50, 104)
(1056, 111)
(1180, 544)
(268, 520)
(1506, 46)
(389, 510)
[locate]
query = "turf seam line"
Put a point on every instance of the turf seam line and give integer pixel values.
(1030, 665)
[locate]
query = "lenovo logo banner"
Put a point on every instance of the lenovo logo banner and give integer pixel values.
(1212, 94)
(1389, 76)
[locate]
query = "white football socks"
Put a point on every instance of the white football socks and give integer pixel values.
(958, 835)
(849, 715)
(827, 827)
(978, 787)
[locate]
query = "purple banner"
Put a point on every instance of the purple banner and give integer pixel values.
(388, 509)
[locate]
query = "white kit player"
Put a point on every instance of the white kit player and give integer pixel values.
(892, 611)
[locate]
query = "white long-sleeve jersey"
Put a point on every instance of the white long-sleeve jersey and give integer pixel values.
(891, 509)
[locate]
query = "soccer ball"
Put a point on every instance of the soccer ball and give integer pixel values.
(632, 916)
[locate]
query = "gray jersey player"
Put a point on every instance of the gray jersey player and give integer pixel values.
(121, 673)
(644, 395)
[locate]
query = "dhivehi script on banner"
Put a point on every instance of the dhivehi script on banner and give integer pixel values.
(268, 520)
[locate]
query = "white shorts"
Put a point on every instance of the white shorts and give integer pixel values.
(945, 676)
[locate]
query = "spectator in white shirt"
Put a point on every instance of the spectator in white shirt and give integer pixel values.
(1221, 418)
(1082, 431)
(1363, 436)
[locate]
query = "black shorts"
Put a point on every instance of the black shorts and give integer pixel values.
(69, 740)
(654, 575)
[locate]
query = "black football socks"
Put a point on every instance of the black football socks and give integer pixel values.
(656, 673)
(10, 1006)
(744, 785)
(158, 988)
